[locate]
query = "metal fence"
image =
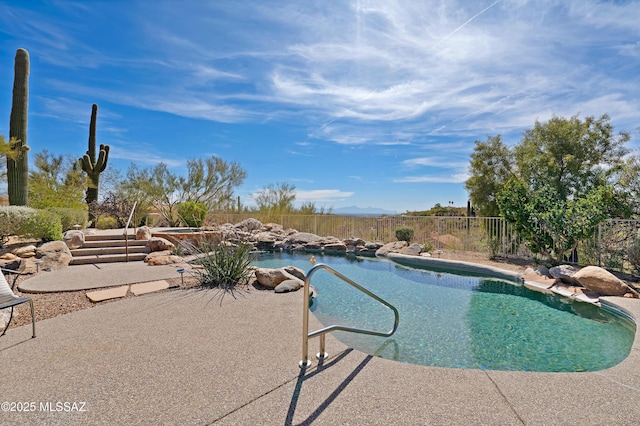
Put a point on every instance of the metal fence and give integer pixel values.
(616, 245)
(479, 234)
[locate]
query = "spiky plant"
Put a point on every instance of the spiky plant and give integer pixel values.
(92, 166)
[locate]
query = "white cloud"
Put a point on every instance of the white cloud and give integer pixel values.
(322, 195)
(456, 178)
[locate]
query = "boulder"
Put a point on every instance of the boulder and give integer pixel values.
(25, 251)
(164, 257)
(270, 277)
(296, 272)
(52, 247)
(302, 238)
(250, 224)
(143, 233)
(601, 281)
(354, 242)
(14, 264)
(53, 255)
(159, 244)
(288, 285)
(337, 246)
(8, 257)
(73, 239)
(565, 274)
(413, 250)
(394, 247)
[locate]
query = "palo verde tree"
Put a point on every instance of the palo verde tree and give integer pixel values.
(55, 181)
(210, 182)
(556, 184)
(18, 161)
(275, 199)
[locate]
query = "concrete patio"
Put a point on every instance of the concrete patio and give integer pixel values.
(190, 357)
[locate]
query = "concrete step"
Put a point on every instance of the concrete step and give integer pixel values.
(95, 251)
(100, 237)
(109, 248)
(107, 258)
(113, 243)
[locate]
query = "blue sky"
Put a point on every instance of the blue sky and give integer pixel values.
(367, 103)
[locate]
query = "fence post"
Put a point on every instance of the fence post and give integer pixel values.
(599, 244)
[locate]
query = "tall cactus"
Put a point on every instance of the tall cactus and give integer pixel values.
(90, 165)
(18, 162)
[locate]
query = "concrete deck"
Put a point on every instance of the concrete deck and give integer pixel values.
(193, 357)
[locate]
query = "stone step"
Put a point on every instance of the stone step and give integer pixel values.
(101, 237)
(94, 251)
(108, 258)
(114, 243)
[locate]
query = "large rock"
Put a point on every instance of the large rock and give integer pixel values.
(159, 244)
(413, 250)
(601, 281)
(74, 239)
(302, 238)
(54, 255)
(143, 233)
(25, 251)
(162, 258)
(565, 273)
(270, 277)
(249, 225)
(296, 272)
(337, 246)
(392, 247)
(288, 285)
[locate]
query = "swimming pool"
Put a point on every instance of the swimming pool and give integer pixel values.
(458, 321)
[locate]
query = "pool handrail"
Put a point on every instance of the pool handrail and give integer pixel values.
(321, 332)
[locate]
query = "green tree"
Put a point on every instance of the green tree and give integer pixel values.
(558, 183)
(276, 198)
(492, 164)
(55, 181)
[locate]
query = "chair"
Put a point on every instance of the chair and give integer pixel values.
(9, 300)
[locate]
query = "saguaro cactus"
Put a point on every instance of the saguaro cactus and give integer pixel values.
(90, 165)
(18, 162)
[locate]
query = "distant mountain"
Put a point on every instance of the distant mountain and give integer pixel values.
(362, 211)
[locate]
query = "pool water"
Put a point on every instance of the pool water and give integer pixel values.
(457, 321)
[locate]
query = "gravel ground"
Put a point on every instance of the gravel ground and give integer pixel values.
(49, 305)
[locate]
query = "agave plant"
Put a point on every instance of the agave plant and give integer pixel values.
(223, 265)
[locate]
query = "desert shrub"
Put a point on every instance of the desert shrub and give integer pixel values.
(223, 266)
(107, 222)
(44, 225)
(404, 233)
(71, 217)
(427, 247)
(25, 221)
(192, 213)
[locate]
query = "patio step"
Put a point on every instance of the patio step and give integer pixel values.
(109, 249)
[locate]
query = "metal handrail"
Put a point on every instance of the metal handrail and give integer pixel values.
(305, 317)
(126, 232)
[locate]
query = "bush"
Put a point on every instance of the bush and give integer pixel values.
(71, 217)
(223, 266)
(427, 247)
(192, 213)
(107, 222)
(44, 225)
(404, 233)
(25, 221)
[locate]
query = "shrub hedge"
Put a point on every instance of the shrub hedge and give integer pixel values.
(25, 221)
